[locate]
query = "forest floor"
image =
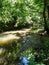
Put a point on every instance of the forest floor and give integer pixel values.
(28, 38)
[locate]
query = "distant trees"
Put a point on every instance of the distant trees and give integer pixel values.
(11, 11)
(15, 12)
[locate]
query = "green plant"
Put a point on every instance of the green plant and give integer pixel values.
(31, 59)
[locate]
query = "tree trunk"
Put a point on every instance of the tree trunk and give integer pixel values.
(44, 16)
(48, 11)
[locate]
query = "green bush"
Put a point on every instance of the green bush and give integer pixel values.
(31, 59)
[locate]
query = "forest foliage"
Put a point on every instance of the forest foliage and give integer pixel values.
(18, 14)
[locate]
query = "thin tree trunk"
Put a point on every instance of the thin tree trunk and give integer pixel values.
(44, 15)
(48, 11)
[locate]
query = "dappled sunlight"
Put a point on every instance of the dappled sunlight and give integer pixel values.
(15, 32)
(10, 36)
(7, 39)
(24, 32)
